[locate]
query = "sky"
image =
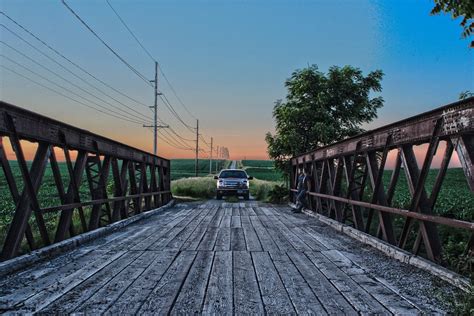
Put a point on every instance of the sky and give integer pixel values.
(228, 61)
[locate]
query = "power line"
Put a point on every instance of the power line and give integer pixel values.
(131, 33)
(65, 68)
(141, 76)
(70, 91)
(71, 83)
(152, 58)
(70, 61)
(66, 96)
(175, 114)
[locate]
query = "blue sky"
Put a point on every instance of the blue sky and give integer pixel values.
(228, 60)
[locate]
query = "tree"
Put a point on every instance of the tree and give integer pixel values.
(321, 109)
(458, 8)
(466, 94)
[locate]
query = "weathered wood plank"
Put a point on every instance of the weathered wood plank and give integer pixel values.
(274, 295)
(247, 300)
(106, 295)
(235, 211)
(191, 296)
(362, 301)
(295, 241)
(223, 239)
(160, 300)
(333, 301)
(71, 299)
(56, 290)
(226, 219)
(303, 298)
(135, 295)
(235, 222)
(219, 295)
(237, 239)
(209, 239)
(251, 238)
(391, 300)
(265, 240)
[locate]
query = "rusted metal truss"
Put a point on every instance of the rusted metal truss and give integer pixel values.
(139, 181)
(346, 177)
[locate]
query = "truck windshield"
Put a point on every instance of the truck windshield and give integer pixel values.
(233, 174)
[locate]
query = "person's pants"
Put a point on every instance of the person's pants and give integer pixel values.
(300, 199)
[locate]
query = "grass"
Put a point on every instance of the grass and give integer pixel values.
(197, 187)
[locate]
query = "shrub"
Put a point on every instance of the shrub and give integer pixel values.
(201, 188)
(279, 194)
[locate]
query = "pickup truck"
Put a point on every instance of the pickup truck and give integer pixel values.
(232, 182)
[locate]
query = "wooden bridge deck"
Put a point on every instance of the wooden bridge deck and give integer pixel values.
(214, 258)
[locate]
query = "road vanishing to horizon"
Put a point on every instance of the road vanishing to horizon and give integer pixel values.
(348, 127)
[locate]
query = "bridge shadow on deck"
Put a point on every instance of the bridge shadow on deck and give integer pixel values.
(215, 258)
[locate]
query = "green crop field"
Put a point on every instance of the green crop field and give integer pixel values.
(185, 168)
(262, 170)
(258, 163)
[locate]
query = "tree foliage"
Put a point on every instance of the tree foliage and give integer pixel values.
(458, 8)
(322, 108)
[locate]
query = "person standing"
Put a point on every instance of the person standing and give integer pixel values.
(302, 187)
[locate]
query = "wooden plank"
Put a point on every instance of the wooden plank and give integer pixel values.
(250, 211)
(191, 296)
(161, 235)
(294, 228)
(81, 292)
(303, 298)
(258, 211)
(228, 211)
(209, 239)
(178, 240)
(280, 240)
(135, 295)
(333, 301)
(161, 299)
(235, 211)
(195, 239)
(266, 241)
(216, 220)
(391, 300)
(57, 289)
(274, 295)
(235, 222)
(297, 243)
(219, 295)
(223, 239)
(226, 221)
(361, 300)
(251, 238)
(247, 300)
(107, 294)
(237, 239)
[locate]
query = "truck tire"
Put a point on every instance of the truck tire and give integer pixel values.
(218, 196)
(247, 196)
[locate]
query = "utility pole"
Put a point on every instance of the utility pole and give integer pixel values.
(217, 157)
(197, 148)
(210, 159)
(155, 125)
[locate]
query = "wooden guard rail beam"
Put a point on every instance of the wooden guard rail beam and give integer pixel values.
(342, 174)
(141, 181)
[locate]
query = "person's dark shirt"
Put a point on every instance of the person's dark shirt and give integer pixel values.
(302, 182)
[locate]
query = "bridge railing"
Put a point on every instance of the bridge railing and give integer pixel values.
(348, 183)
(47, 200)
